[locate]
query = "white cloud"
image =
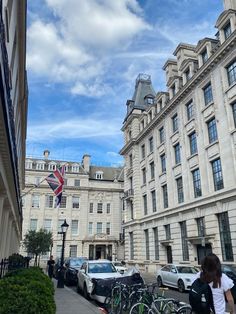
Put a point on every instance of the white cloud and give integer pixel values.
(74, 128)
(75, 46)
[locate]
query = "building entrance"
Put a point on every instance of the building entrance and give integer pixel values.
(203, 251)
(169, 254)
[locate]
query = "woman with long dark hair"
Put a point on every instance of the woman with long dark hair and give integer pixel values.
(220, 283)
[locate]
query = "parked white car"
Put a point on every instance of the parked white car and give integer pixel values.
(120, 266)
(177, 276)
(95, 269)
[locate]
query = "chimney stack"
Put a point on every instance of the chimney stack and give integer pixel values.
(46, 153)
(230, 4)
(86, 162)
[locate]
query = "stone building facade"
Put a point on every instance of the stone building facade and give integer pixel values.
(13, 121)
(92, 202)
(180, 155)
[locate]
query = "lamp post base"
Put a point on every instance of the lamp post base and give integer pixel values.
(60, 281)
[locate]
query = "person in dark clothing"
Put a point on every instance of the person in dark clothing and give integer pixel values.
(50, 266)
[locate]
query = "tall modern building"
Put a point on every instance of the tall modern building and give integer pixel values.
(180, 155)
(92, 204)
(13, 120)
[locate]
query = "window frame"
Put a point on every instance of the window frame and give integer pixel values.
(231, 73)
(217, 174)
(212, 130)
(197, 189)
(175, 123)
(193, 143)
(208, 94)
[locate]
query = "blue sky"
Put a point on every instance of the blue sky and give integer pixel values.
(83, 57)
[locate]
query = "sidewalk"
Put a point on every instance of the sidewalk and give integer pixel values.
(70, 302)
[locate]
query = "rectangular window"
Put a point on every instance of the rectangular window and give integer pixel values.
(131, 160)
(193, 143)
(197, 183)
(145, 209)
(162, 134)
(231, 72)
(131, 243)
(37, 180)
(165, 196)
(74, 227)
(156, 243)
(151, 144)
(185, 251)
(212, 130)
(190, 110)
(201, 227)
(33, 224)
(152, 170)
(91, 208)
(144, 175)
(35, 201)
(227, 30)
(49, 201)
(234, 113)
(58, 253)
(204, 56)
(180, 190)
(108, 208)
(99, 227)
(163, 163)
(108, 228)
(208, 97)
(217, 175)
(175, 123)
(75, 201)
(188, 75)
(90, 231)
(168, 232)
(77, 182)
(143, 151)
(146, 233)
(131, 210)
(154, 202)
(48, 225)
(59, 223)
(73, 250)
(99, 208)
(225, 237)
(177, 154)
(63, 202)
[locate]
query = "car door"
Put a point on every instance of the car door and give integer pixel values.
(173, 276)
(81, 275)
(164, 274)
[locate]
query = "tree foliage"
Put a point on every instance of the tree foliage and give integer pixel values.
(38, 242)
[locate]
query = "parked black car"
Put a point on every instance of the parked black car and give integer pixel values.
(72, 265)
(230, 271)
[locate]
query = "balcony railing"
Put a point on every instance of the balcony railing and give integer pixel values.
(129, 193)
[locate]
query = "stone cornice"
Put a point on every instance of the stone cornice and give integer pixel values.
(229, 44)
(184, 46)
(223, 16)
(202, 43)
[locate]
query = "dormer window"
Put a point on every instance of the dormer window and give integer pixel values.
(40, 166)
(150, 100)
(99, 175)
(204, 56)
(173, 90)
(188, 75)
(227, 30)
(29, 164)
(52, 167)
(75, 168)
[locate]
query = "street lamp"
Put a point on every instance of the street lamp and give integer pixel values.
(60, 281)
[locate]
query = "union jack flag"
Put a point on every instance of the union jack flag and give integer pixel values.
(56, 182)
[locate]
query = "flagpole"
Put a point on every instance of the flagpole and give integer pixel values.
(34, 187)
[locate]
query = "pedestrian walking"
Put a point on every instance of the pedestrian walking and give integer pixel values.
(50, 266)
(220, 285)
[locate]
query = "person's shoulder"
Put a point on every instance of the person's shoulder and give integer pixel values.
(226, 282)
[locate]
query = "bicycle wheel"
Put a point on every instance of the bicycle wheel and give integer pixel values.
(139, 308)
(107, 304)
(169, 307)
(185, 309)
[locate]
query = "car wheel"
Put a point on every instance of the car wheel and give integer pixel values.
(86, 294)
(181, 286)
(159, 281)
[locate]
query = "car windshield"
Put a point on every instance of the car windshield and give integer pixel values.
(229, 268)
(118, 264)
(186, 270)
(76, 262)
(101, 268)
